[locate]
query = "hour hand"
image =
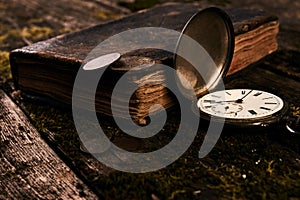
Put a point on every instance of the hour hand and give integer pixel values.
(214, 101)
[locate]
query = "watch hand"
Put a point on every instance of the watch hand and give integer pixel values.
(225, 101)
(236, 101)
(241, 99)
(213, 101)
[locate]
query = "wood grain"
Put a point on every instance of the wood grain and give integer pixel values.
(29, 168)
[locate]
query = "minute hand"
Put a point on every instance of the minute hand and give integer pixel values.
(241, 99)
(235, 101)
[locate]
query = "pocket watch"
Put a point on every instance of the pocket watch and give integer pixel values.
(212, 28)
(243, 107)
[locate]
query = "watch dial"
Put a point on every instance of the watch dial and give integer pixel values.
(240, 104)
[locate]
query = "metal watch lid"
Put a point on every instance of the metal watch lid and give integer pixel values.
(212, 29)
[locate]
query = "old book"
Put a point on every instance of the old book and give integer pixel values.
(48, 68)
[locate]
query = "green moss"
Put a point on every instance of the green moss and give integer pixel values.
(5, 73)
(35, 32)
(12, 37)
(260, 165)
(106, 15)
(295, 110)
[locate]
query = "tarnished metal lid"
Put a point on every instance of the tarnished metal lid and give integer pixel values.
(213, 30)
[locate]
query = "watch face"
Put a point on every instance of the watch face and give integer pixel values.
(240, 104)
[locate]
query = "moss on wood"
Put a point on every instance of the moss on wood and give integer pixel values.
(5, 73)
(256, 165)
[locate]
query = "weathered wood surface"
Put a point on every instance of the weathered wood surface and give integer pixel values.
(29, 168)
(268, 157)
(257, 165)
(23, 22)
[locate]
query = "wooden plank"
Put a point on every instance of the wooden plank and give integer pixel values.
(286, 63)
(242, 166)
(29, 168)
(235, 154)
(25, 22)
